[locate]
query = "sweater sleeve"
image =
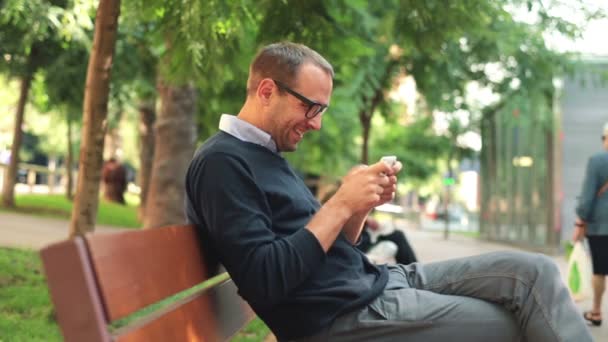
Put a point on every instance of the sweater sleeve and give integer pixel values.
(265, 266)
(589, 191)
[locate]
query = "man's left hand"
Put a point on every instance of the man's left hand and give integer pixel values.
(388, 193)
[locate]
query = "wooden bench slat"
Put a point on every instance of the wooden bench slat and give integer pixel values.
(74, 291)
(139, 268)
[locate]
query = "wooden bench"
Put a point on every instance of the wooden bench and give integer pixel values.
(101, 278)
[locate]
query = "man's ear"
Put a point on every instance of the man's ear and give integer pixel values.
(265, 90)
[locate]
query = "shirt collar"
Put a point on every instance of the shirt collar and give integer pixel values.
(247, 132)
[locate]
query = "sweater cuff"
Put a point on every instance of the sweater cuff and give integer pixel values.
(308, 247)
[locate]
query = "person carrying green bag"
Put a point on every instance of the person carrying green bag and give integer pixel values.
(592, 222)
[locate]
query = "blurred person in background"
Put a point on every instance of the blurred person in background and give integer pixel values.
(114, 178)
(379, 239)
(382, 243)
(592, 222)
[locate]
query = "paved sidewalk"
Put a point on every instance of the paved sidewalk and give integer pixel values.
(19, 230)
(35, 232)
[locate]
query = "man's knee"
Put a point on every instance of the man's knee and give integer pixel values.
(534, 264)
(531, 264)
(547, 265)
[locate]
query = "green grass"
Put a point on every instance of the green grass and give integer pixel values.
(25, 309)
(111, 214)
(26, 313)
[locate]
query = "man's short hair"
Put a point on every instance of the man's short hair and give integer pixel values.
(281, 61)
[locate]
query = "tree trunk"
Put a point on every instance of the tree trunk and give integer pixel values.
(147, 116)
(69, 160)
(369, 107)
(8, 192)
(366, 120)
(96, 95)
(365, 116)
(173, 149)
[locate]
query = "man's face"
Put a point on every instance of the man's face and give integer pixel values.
(287, 118)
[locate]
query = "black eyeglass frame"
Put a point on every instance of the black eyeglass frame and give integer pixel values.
(310, 103)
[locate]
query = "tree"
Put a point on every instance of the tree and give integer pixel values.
(95, 112)
(137, 63)
(190, 39)
(173, 149)
(60, 78)
(29, 41)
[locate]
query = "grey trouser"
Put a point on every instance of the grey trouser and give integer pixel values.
(502, 296)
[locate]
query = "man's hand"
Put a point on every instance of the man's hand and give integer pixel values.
(362, 189)
(388, 180)
(389, 190)
(366, 187)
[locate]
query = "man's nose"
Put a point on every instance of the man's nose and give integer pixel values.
(315, 123)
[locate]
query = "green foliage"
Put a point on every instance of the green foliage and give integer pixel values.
(190, 38)
(64, 80)
(444, 48)
(415, 145)
(47, 40)
(443, 45)
(28, 35)
(42, 133)
(47, 120)
(26, 313)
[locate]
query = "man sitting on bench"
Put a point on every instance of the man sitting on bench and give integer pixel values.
(295, 261)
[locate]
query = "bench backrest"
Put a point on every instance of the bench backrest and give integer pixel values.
(100, 278)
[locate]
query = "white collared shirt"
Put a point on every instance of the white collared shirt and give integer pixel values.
(247, 132)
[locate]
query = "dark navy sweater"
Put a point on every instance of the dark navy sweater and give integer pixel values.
(251, 209)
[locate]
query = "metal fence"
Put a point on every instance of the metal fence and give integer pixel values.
(37, 179)
(517, 175)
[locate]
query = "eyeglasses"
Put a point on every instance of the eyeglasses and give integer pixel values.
(314, 108)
